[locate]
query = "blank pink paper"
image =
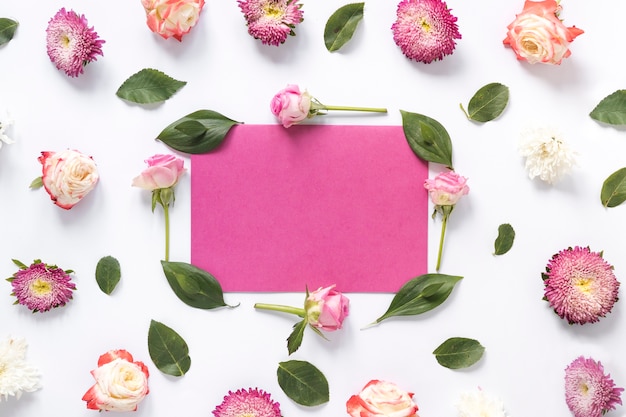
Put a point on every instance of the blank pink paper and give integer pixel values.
(275, 209)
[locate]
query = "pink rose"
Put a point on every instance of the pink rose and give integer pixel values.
(326, 308)
(291, 106)
(68, 176)
(446, 188)
(172, 17)
(121, 383)
(538, 35)
(163, 171)
(381, 398)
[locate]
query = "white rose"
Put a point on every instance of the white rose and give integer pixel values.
(120, 386)
(68, 176)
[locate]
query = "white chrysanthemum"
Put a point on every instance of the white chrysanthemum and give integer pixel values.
(480, 404)
(547, 155)
(16, 375)
(5, 122)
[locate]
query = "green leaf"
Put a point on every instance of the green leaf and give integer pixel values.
(488, 102)
(7, 29)
(428, 139)
(504, 241)
(198, 132)
(303, 383)
(168, 350)
(149, 86)
(108, 274)
(459, 352)
(341, 25)
(420, 295)
(611, 109)
(194, 286)
(614, 189)
(295, 338)
(36, 183)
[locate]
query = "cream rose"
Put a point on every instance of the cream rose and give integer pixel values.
(68, 176)
(121, 384)
(172, 18)
(382, 398)
(538, 35)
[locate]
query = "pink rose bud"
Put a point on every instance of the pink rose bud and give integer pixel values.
(538, 35)
(446, 188)
(68, 176)
(290, 105)
(326, 308)
(121, 383)
(382, 399)
(173, 18)
(163, 171)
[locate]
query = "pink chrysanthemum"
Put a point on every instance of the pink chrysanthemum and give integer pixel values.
(247, 403)
(71, 43)
(271, 21)
(425, 30)
(580, 285)
(588, 391)
(41, 287)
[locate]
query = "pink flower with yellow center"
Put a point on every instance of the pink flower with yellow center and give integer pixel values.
(589, 392)
(271, 21)
(425, 30)
(41, 287)
(247, 403)
(580, 285)
(71, 43)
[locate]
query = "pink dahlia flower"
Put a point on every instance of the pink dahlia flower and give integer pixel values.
(425, 30)
(271, 21)
(580, 285)
(247, 403)
(71, 43)
(589, 392)
(41, 287)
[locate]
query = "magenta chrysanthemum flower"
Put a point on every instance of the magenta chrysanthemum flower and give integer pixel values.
(71, 43)
(425, 30)
(271, 21)
(247, 403)
(580, 285)
(588, 391)
(41, 287)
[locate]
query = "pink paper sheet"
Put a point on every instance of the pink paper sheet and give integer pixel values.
(277, 209)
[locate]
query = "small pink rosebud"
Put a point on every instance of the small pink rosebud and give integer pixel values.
(290, 105)
(446, 188)
(326, 308)
(163, 171)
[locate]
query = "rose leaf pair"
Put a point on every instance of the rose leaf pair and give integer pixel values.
(324, 309)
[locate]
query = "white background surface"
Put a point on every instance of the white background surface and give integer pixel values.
(499, 300)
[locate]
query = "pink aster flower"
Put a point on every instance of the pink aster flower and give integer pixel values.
(247, 403)
(71, 43)
(580, 285)
(271, 21)
(425, 30)
(589, 392)
(41, 287)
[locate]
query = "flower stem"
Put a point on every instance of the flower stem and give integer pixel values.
(284, 309)
(348, 108)
(443, 233)
(166, 211)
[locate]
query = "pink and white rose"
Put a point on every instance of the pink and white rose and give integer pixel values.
(538, 35)
(163, 171)
(382, 399)
(290, 105)
(326, 308)
(446, 188)
(68, 176)
(121, 383)
(173, 18)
